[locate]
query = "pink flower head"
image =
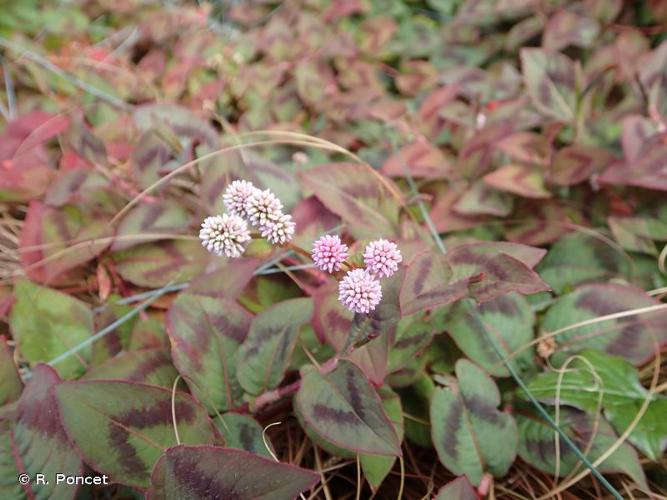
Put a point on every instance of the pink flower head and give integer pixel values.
(360, 291)
(382, 258)
(329, 253)
(263, 207)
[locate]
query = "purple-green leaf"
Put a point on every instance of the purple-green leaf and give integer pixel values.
(121, 428)
(364, 199)
(154, 265)
(151, 366)
(37, 443)
(266, 352)
(344, 408)
(199, 472)
(470, 434)
(205, 334)
(508, 319)
(150, 222)
(550, 82)
(632, 337)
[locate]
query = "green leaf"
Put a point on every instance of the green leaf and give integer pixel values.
(205, 334)
(509, 319)
(359, 195)
(617, 382)
(579, 258)
(376, 467)
(537, 445)
(35, 442)
(470, 435)
(46, 323)
(550, 82)
(121, 428)
(195, 472)
(242, 432)
(266, 352)
(344, 408)
(632, 337)
(10, 382)
(151, 366)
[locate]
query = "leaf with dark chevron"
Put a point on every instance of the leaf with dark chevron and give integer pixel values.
(469, 433)
(205, 334)
(266, 352)
(632, 337)
(550, 81)
(509, 319)
(150, 366)
(206, 472)
(243, 432)
(482, 270)
(121, 428)
(343, 407)
(36, 443)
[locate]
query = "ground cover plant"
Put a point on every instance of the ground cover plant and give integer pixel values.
(351, 249)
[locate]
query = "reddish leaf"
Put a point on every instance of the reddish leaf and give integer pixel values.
(649, 170)
(576, 163)
(421, 159)
(520, 180)
(458, 489)
(25, 168)
(361, 196)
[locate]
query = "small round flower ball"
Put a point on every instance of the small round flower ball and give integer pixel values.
(360, 291)
(236, 196)
(224, 235)
(263, 207)
(382, 258)
(329, 253)
(279, 232)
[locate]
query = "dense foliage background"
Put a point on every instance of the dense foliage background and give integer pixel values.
(516, 150)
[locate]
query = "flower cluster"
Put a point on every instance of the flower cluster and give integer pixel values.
(226, 234)
(360, 290)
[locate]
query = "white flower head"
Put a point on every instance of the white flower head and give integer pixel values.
(263, 207)
(224, 235)
(279, 232)
(236, 196)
